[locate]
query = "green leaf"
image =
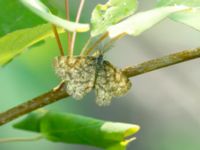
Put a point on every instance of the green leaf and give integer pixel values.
(190, 17)
(191, 3)
(69, 128)
(16, 42)
(41, 10)
(142, 21)
(119, 146)
(34, 118)
(111, 13)
(14, 15)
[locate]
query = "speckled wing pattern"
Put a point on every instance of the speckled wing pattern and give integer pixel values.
(110, 83)
(78, 73)
(83, 73)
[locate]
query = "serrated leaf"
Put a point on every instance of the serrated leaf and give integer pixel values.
(190, 17)
(69, 128)
(111, 13)
(41, 10)
(142, 21)
(16, 42)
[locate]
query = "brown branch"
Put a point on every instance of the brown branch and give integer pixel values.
(38, 102)
(59, 93)
(161, 62)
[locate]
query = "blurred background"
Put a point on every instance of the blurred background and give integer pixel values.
(165, 102)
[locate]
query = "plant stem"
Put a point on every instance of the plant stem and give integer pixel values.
(58, 40)
(6, 140)
(86, 46)
(107, 45)
(87, 51)
(68, 33)
(77, 20)
(59, 93)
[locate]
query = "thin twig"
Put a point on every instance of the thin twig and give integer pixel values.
(86, 46)
(59, 93)
(68, 33)
(58, 40)
(7, 140)
(77, 20)
(87, 51)
(107, 45)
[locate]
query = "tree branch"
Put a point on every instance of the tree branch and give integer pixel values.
(161, 62)
(38, 102)
(59, 93)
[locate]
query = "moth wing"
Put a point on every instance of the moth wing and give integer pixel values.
(110, 83)
(78, 74)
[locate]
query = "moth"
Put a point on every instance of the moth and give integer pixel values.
(83, 73)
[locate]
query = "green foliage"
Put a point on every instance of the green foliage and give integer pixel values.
(104, 17)
(41, 10)
(14, 16)
(16, 42)
(110, 13)
(190, 17)
(187, 12)
(69, 128)
(192, 3)
(142, 21)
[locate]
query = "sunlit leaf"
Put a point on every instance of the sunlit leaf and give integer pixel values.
(41, 10)
(110, 13)
(69, 128)
(16, 42)
(142, 21)
(190, 17)
(191, 3)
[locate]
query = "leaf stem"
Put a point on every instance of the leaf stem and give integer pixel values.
(86, 46)
(58, 40)
(68, 33)
(107, 45)
(59, 92)
(77, 20)
(19, 139)
(89, 50)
